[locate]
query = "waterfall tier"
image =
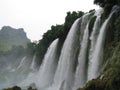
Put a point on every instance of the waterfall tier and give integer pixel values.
(65, 66)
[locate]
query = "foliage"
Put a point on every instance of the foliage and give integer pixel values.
(109, 78)
(107, 5)
(95, 84)
(58, 31)
(31, 48)
(69, 20)
(111, 71)
(12, 37)
(18, 88)
(15, 51)
(48, 37)
(13, 88)
(117, 29)
(93, 10)
(102, 3)
(112, 36)
(107, 10)
(113, 58)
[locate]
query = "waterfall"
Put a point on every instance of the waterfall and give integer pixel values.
(66, 65)
(95, 31)
(83, 25)
(44, 77)
(64, 86)
(68, 68)
(15, 75)
(33, 65)
(80, 75)
(20, 65)
(22, 62)
(93, 39)
(98, 52)
(49, 65)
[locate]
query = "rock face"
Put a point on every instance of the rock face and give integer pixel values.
(12, 37)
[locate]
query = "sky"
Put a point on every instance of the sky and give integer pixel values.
(37, 16)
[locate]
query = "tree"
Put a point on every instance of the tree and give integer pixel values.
(102, 3)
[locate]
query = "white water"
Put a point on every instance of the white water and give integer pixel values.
(49, 65)
(33, 65)
(83, 25)
(65, 86)
(95, 32)
(93, 39)
(65, 69)
(98, 53)
(44, 77)
(80, 75)
(15, 75)
(94, 36)
(62, 74)
(20, 65)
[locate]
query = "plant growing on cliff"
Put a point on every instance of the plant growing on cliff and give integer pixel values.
(58, 31)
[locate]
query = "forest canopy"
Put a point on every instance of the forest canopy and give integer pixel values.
(102, 3)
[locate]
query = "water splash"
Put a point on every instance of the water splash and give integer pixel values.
(44, 77)
(49, 65)
(65, 70)
(98, 53)
(93, 39)
(33, 64)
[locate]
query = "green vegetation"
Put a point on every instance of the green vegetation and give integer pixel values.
(117, 29)
(69, 20)
(12, 37)
(48, 37)
(31, 48)
(58, 31)
(13, 88)
(109, 78)
(102, 3)
(17, 51)
(13, 54)
(107, 5)
(103, 84)
(18, 88)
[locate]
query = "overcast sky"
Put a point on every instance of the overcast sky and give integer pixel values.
(37, 16)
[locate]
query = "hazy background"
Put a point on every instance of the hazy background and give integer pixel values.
(37, 16)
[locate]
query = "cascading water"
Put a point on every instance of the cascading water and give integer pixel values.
(83, 25)
(98, 52)
(33, 63)
(65, 70)
(75, 64)
(20, 65)
(93, 39)
(49, 65)
(65, 86)
(80, 75)
(44, 77)
(15, 75)
(95, 32)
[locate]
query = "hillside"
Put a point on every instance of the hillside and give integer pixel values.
(81, 54)
(12, 37)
